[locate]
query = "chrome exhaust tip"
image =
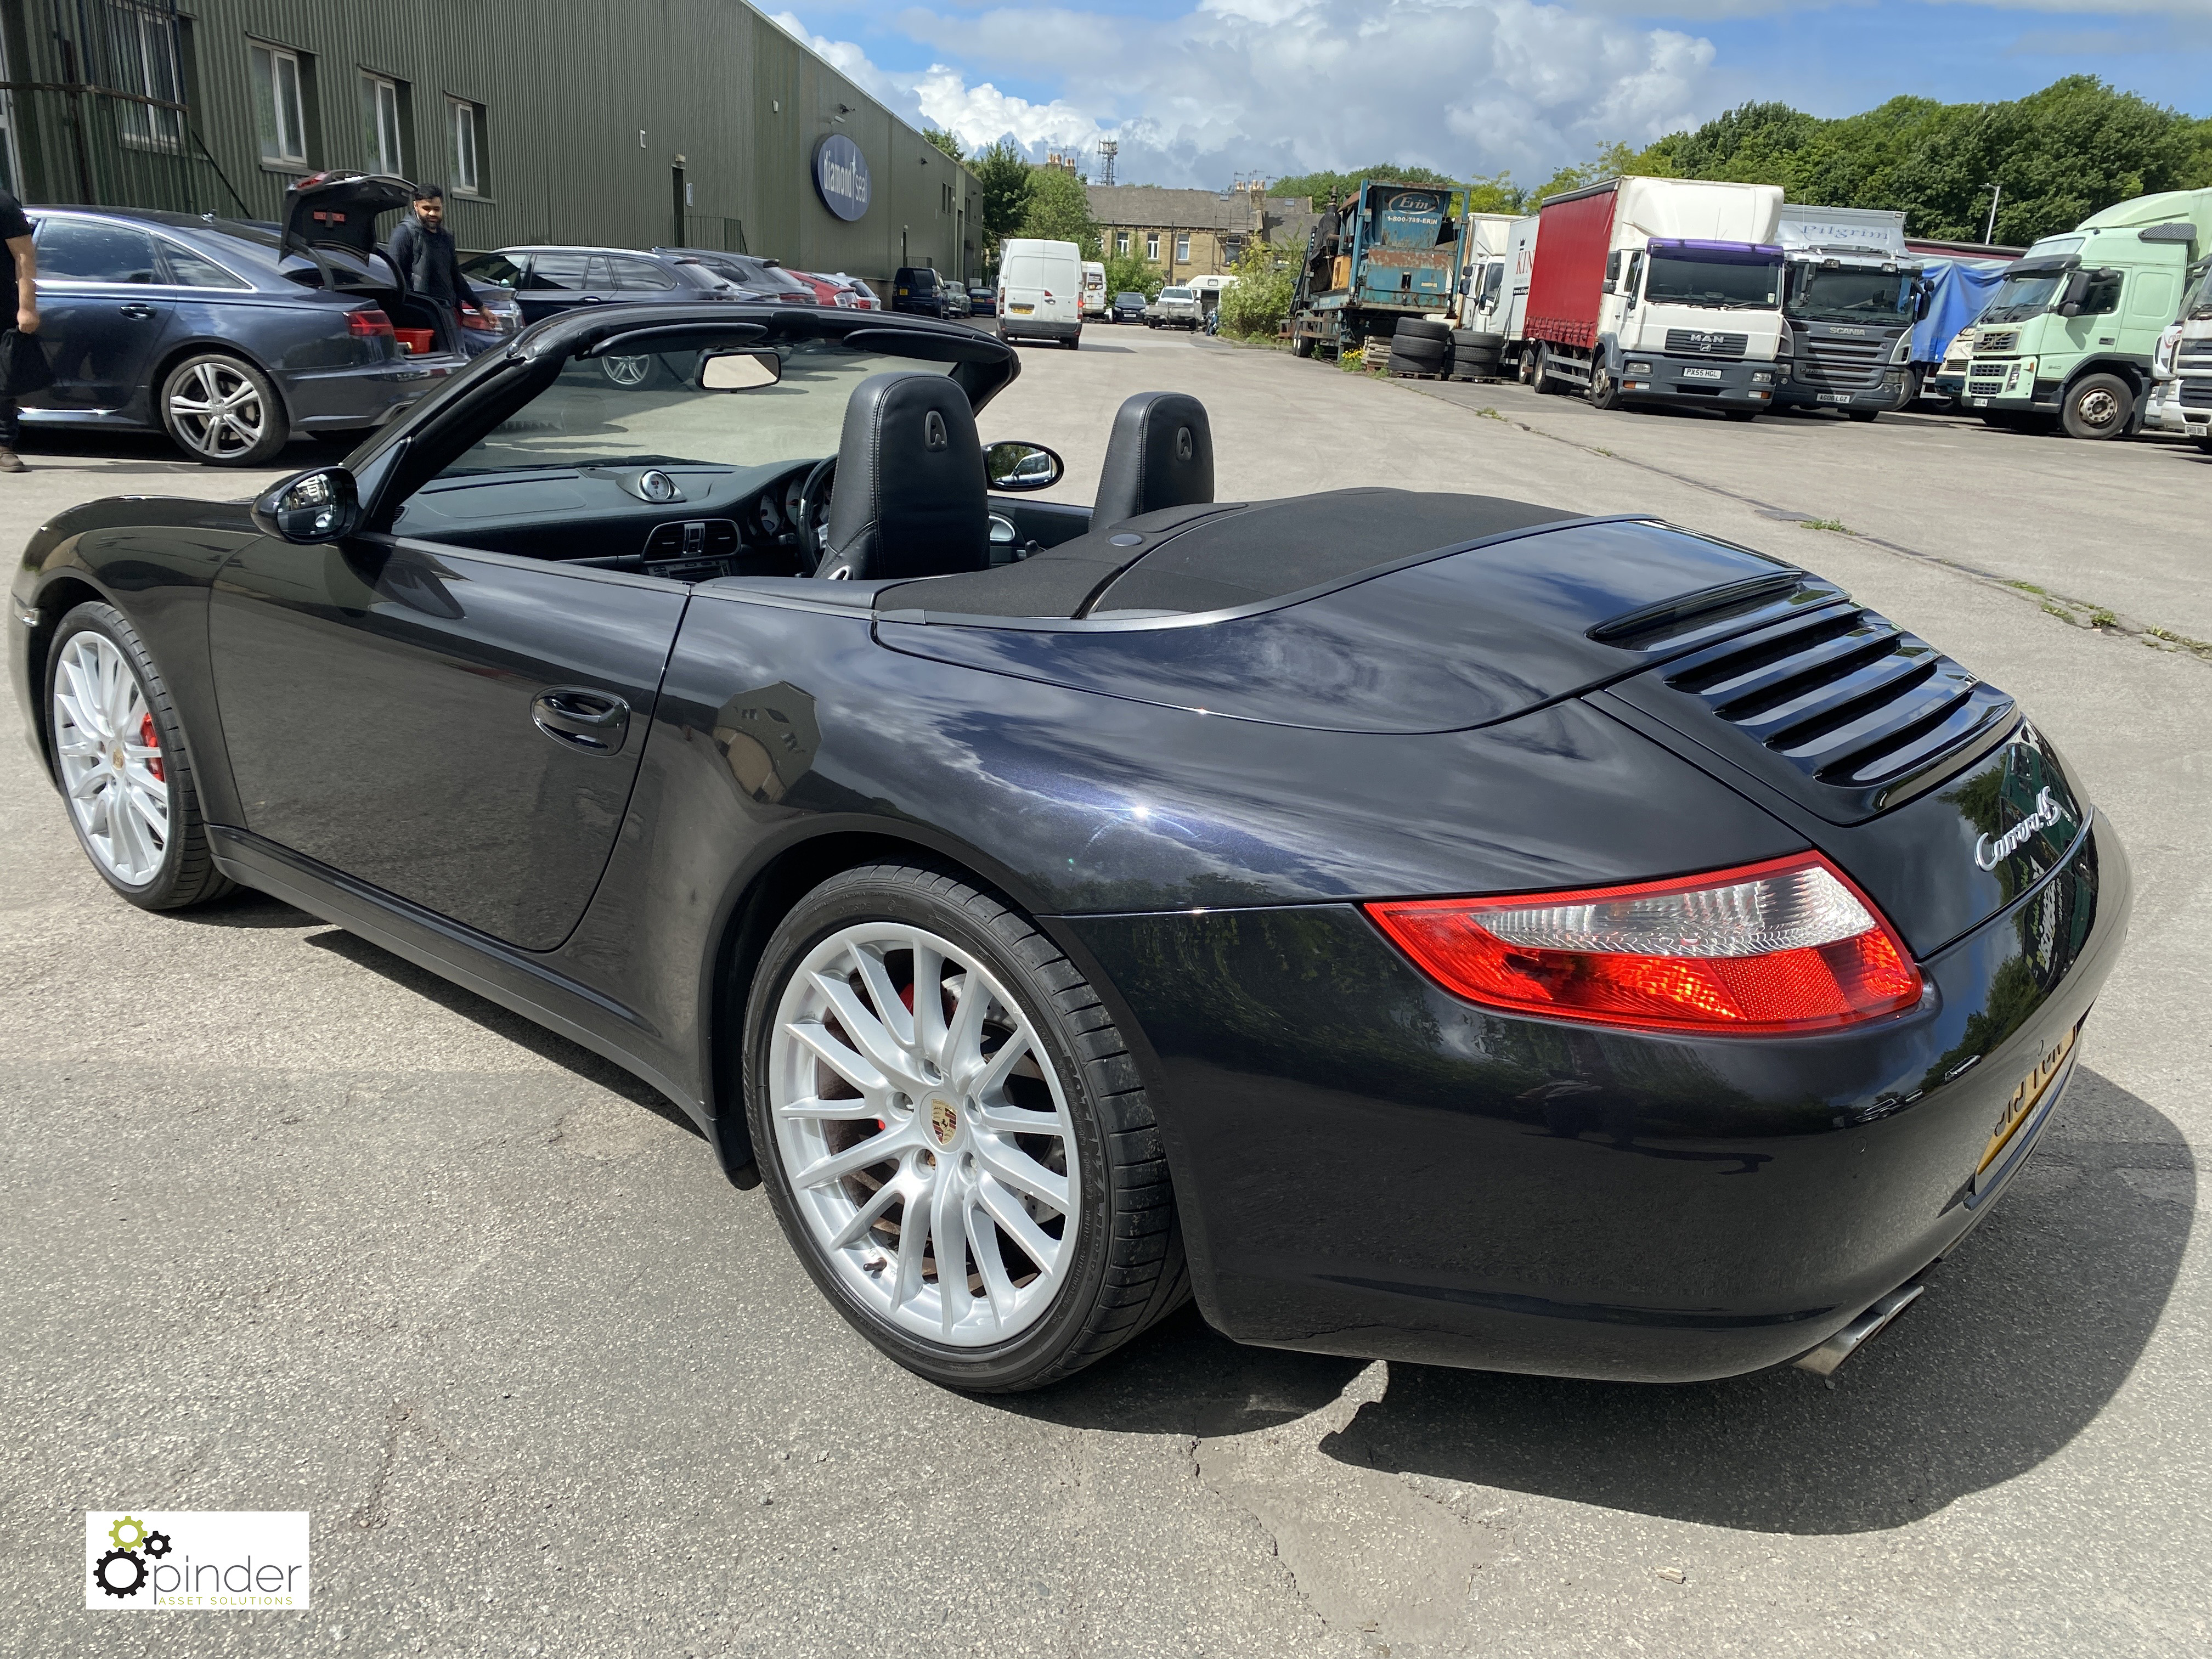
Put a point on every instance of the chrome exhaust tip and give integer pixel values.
(1823, 1360)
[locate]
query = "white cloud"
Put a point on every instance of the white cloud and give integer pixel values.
(1289, 86)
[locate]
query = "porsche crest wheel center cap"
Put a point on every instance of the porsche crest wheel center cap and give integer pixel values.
(943, 1120)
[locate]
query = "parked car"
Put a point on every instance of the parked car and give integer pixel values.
(547, 281)
(1385, 915)
(1128, 307)
(1177, 307)
(864, 297)
(919, 291)
(755, 277)
(981, 301)
(956, 302)
(235, 337)
(827, 291)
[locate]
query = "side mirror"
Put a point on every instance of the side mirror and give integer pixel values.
(739, 371)
(1019, 466)
(321, 506)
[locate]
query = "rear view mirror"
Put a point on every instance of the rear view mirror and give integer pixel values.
(1017, 467)
(739, 371)
(322, 505)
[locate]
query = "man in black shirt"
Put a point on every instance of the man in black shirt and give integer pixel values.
(19, 269)
(430, 268)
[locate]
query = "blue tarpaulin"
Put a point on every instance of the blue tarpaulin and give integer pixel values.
(1962, 288)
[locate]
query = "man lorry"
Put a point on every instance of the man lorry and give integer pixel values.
(1658, 290)
(2181, 403)
(1385, 252)
(2071, 332)
(1852, 296)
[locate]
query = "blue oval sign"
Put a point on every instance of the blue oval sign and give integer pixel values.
(840, 176)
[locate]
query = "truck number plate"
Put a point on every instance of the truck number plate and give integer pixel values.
(1835, 397)
(1702, 375)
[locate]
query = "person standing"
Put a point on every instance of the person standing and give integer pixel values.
(19, 269)
(429, 267)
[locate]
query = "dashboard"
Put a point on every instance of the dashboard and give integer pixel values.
(684, 521)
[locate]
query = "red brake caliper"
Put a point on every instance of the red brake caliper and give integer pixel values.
(148, 739)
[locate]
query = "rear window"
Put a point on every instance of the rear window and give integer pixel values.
(1175, 293)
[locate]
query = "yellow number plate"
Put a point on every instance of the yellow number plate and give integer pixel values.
(2021, 1104)
(1021, 311)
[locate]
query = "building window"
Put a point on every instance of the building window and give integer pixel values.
(945, 202)
(146, 64)
(1152, 245)
(380, 121)
(1120, 241)
(279, 109)
(465, 122)
(1182, 249)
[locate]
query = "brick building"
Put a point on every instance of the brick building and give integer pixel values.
(1194, 233)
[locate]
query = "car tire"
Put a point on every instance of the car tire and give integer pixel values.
(2097, 406)
(1422, 328)
(1069, 1120)
(1740, 414)
(1302, 345)
(1540, 375)
(1862, 416)
(224, 411)
(141, 829)
(1474, 340)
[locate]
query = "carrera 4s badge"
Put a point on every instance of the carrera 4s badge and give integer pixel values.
(1991, 851)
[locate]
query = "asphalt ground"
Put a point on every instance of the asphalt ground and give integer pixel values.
(286, 1224)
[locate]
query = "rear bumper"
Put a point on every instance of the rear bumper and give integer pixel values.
(1367, 1165)
(1014, 327)
(365, 395)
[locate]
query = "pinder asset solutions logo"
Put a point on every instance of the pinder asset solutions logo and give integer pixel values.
(202, 1560)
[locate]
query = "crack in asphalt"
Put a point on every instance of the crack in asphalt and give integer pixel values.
(2078, 613)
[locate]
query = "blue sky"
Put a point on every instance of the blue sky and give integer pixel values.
(1198, 90)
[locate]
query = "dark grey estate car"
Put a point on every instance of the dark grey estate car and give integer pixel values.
(231, 335)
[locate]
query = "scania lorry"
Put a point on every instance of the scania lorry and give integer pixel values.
(1659, 290)
(2070, 333)
(1387, 251)
(1851, 297)
(2181, 400)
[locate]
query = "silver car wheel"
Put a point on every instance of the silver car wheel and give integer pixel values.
(921, 1131)
(110, 759)
(217, 410)
(626, 372)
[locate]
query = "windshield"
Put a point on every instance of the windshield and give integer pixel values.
(2019, 298)
(1845, 295)
(649, 409)
(1175, 293)
(2197, 287)
(493, 269)
(1685, 280)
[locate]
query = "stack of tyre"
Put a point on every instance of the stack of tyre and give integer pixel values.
(1421, 346)
(1474, 355)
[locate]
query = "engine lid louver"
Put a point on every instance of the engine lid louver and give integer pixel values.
(1836, 706)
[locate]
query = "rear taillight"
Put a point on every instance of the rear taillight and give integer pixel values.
(1786, 946)
(370, 324)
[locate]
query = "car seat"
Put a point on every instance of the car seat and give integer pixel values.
(1160, 455)
(910, 498)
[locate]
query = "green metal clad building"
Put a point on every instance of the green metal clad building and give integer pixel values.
(624, 123)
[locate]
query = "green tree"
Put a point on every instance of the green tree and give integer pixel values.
(949, 142)
(1612, 161)
(1004, 173)
(1326, 189)
(1128, 273)
(1058, 209)
(1259, 299)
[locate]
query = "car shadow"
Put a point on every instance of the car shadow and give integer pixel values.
(244, 907)
(2026, 1331)
(502, 1022)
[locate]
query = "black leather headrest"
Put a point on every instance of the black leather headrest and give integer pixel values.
(1161, 455)
(910, 498)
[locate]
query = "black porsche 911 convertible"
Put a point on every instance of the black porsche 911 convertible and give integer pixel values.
(1422, 926)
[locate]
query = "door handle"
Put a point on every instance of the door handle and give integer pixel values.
(595, 299)
(577, 717)
(138, 311)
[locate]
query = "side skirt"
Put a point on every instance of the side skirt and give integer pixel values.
(514, 979)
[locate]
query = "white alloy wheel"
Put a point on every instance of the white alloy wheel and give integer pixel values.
(926, 1139)
(110, 754)
(217, 410)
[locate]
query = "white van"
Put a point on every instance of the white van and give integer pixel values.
(1040, 291)
(1094, 288)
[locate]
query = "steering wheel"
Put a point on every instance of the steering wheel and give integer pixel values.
(813, 525)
